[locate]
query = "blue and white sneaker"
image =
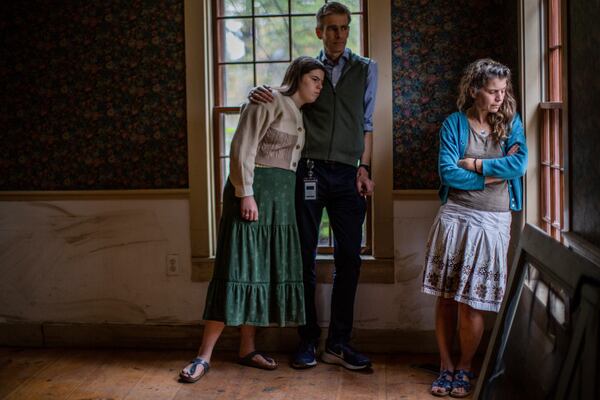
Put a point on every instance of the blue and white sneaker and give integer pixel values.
(346, 356)
(306, 356)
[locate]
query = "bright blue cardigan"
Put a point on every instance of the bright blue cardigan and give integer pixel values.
(454, 137)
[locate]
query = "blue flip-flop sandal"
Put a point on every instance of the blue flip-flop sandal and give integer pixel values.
(187, 374)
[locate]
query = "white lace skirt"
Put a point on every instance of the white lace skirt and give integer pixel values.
(465, 258)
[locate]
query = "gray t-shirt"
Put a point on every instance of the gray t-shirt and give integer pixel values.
(493, 197)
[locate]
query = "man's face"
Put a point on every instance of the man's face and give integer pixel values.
(334, 34)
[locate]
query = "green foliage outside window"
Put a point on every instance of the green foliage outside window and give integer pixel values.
(269, 52)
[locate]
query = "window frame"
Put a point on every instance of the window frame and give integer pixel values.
(218, 110)
(553, 193)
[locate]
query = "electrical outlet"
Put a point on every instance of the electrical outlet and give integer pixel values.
(173, 265)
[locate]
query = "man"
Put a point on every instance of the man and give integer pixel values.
(338, 138)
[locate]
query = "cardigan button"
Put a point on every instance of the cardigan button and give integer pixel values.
(300, 129)
(297, 147)
(294, 164)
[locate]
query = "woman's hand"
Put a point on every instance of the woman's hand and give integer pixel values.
(490, 180)
(476, 164)
(513, 150)
(468, 164)
(248, 208)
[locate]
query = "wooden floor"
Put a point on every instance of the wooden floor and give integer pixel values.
(70, 374)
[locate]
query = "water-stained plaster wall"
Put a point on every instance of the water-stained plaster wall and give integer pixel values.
(402, 306)
(96, 261)
(104, 261)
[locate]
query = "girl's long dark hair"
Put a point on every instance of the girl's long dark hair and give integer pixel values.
(296, 70)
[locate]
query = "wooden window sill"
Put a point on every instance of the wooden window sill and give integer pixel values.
(373, 270)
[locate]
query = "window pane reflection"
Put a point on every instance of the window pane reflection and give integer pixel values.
(272, 39)
(236, 40)
(270, 74)
(270, 7)
(237, 82)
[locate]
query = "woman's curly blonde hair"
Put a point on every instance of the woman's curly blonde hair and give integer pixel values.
(476, 76)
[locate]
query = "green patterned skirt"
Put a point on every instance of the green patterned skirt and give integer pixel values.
(257, 278)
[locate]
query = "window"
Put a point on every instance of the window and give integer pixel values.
(552, 133)
(254, 41)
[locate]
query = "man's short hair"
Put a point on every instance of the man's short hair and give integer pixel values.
(329, 8)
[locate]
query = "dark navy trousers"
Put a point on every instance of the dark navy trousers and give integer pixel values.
(337, 193)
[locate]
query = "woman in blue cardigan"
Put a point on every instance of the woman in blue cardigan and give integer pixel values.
(482, 159)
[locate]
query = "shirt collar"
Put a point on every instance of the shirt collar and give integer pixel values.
(323, 57)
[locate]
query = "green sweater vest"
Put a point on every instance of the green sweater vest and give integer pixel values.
(334, 123)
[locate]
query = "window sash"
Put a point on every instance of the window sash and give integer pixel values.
(553, 142)
(221, 109)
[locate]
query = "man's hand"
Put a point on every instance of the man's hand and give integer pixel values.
(261, 94)
(248, 208)
(364, 185)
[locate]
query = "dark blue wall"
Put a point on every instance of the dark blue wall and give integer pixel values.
(584, 117)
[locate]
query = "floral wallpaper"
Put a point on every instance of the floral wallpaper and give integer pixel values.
(93, 95)
(432, 41)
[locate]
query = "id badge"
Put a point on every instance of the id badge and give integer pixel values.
(310, 189)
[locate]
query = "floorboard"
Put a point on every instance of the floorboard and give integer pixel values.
(59, 379)
(72, 374)
(17, 366)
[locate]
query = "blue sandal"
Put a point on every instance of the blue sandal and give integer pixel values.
(460, 382)
(187, 374)
(444, 382)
